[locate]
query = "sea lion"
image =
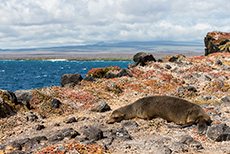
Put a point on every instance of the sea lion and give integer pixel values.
(170, 108)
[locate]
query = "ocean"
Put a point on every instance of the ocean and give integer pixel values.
(17, 75)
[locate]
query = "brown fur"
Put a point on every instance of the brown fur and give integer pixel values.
(173, 109)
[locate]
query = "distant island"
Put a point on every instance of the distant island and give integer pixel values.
(104, 51)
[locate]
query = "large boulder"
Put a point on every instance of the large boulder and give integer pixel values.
(24, 97)
(217, 42)
(8, 100)
(142, 57)
(71, 80)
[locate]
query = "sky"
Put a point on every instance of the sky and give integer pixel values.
(48, 23)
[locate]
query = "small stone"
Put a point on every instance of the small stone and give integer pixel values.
(225, 98)
(218, 62)
(178, 147)
(70, 119)
(55, 104)
(129, 124)
(101, 106)
(121, 133)
(93, 133)
(64, 133)
(187, 139)
(173, 59)
(168, 66)
(70, 133)
(206, 97)
(56, 124)
(39, 127)
(31, 117)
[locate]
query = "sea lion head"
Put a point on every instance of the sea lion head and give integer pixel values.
(116, 116)
(203, 124)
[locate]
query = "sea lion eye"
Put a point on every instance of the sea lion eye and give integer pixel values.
(115, 118)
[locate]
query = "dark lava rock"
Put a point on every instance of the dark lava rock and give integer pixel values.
(70, 119)
(217, 42)
(39, 127)
(123, 72)
(93, 133)
(188, 140)
(173, 59)
(218, 62)
(9, 95)
(24, 97)
(71, 79)
(168, 66)
(55, 104)
(121, 133)
(31, 117)
(7, 102)
(142, 57)
(190, 88)
(225, 99)
(206, 97)
(129, 124)
(101, 106)
(219, 132)
(89, 78)
(183, 90)
(70, 133)
(61, 134)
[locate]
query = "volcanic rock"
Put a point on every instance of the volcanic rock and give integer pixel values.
(101, 106)
(24, 97)
(70, 80)
(217, 42)
(219, 132)
(142, 57)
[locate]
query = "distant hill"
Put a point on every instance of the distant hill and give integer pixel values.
(153, 46)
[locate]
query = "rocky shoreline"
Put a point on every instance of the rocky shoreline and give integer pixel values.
(72, 118)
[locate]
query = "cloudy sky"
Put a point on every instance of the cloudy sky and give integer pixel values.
(45, 23)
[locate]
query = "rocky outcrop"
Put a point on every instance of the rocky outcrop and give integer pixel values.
(24, 97)
(141, 58)
(7, 102)
(71, 80)
(217, 42)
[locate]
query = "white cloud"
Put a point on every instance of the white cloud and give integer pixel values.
(70, 22)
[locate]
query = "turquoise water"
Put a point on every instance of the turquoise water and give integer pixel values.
(16, 75)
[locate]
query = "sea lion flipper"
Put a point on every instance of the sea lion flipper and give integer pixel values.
(187, 124)
(182, 126)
